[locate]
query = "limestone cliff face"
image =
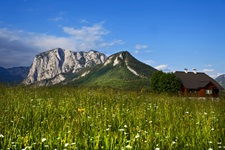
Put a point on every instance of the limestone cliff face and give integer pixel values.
(51, 64)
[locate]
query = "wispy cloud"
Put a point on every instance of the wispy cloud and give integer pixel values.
(161, 67)
(83, 21)
(139, 47)
(164, 67)
(149, 62)
(208, 70)
(18, 48)
(56, 19)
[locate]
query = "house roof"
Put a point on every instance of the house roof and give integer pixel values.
(197, 80)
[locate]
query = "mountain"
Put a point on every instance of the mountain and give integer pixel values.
(13, 75)
(221, 80)
(48, 67)
(120, 70)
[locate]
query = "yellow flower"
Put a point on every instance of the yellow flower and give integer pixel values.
(80, 110)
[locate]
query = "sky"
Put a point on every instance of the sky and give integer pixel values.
(169, 35)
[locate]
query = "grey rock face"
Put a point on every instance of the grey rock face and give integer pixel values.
(50, 64)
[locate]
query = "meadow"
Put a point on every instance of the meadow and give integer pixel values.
(86, 119)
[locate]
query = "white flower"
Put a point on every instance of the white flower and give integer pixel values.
(128, 147)
(121, 129)
(212, 129)
(1, 136)
(173, 142)
(125, 126)
(137, 136)
(210, 149)
(67, 144)
(157, 148)
(43, 139)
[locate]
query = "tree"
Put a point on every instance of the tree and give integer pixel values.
(164, 82)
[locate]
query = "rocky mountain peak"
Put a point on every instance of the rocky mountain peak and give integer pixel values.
(51, 63)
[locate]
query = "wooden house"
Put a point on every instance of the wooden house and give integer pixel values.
(198, 84)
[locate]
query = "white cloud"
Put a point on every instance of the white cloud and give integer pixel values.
(136, 51)
(83, 21)
(149, 62)
(208, 70)
(16, 44)
(140, 46)
(165, 68)
(56, 19)
(105, 44)
(85, 33)
(161, 67)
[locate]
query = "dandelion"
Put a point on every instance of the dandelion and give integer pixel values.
(1, 136)
(43, 139)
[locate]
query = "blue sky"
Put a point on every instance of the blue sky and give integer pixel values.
(166, 34)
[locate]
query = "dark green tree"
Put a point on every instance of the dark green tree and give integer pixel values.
(165, 82)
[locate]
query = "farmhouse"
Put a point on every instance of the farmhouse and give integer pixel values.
(198, 84)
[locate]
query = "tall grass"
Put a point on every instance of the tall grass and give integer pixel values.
(72, 118)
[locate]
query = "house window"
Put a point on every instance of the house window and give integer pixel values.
(208, 92)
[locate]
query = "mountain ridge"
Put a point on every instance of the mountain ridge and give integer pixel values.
(64, 67)
(221, 80)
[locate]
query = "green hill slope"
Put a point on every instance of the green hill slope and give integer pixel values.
(121, 71)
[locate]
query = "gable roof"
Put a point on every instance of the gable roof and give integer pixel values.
(197, 80)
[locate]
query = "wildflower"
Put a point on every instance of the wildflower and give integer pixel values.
(128, 147)
(80, 110)
(125, 126)
(210, 142)
(121, 129)
(67, 144)
(210, 149)
(137, 136)
(212, 129)
(43, 139)
(1, 136)
(157, 148)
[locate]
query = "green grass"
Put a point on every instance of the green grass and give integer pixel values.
(71, 118)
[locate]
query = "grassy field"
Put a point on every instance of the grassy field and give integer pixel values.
(71, 118)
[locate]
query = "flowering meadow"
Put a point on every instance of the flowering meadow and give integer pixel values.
(86, 119)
